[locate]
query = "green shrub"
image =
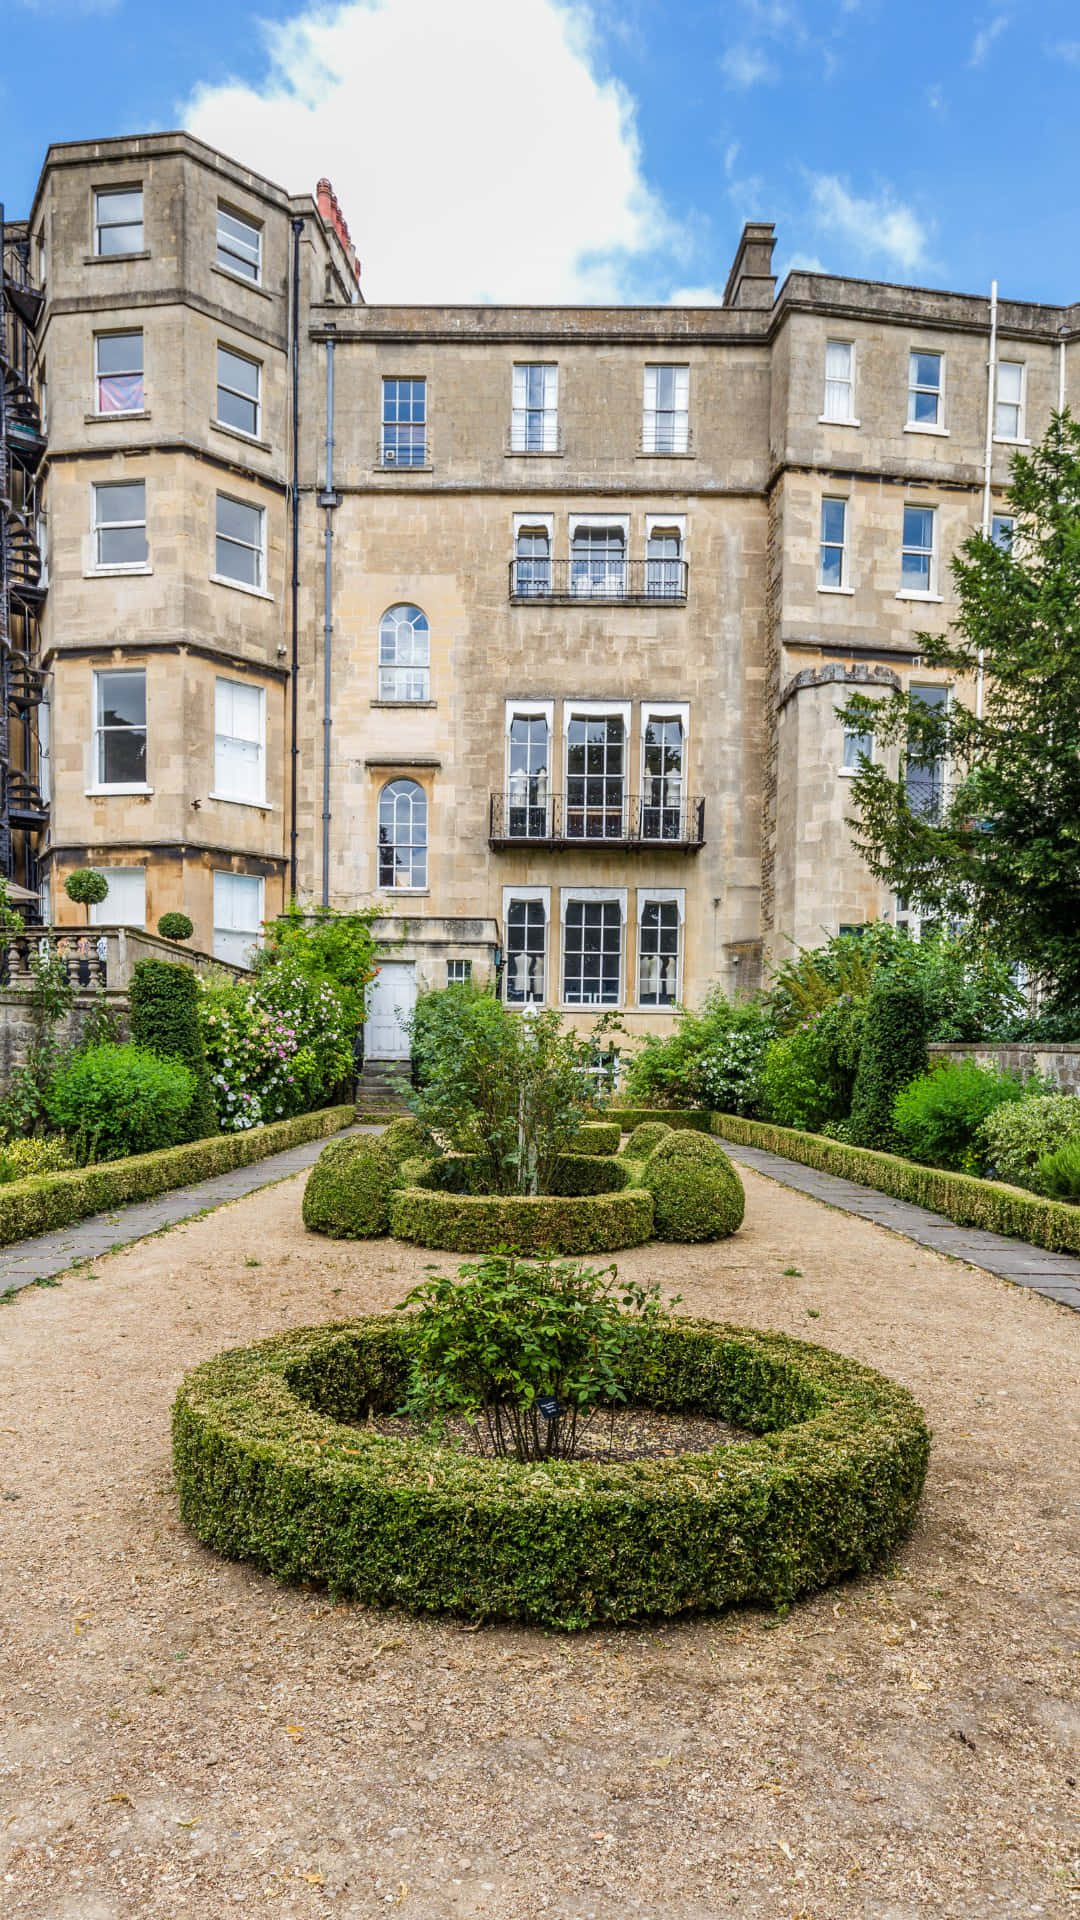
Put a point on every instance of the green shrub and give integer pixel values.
(522, 1223)
(403, 1140)
(967, 1201)
(113, 1101)
(697, 1194)
(893, 1054)
(597, 1136)
(713, 1057)
(21, 1159)
(165, 1019)
(790, 1089)
(583, 1173)
(348, 1189)
(640, 1143)
(697, 1119)
(1059, 1173)
(1015, 1137)
(275, 1466)
(937, 1119)
(87, 888)
(48, 1201)
(175, 926)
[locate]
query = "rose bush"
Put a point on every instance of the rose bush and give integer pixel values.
(276, 1045)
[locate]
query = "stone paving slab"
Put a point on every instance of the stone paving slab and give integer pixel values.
(51, 1253)
(1055, 1275)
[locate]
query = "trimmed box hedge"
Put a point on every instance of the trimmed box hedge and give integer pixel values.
(699, 1118)
(597, 1136)
(961, 1197)
(479, 1223)
(33, 1206)
(274, 1466)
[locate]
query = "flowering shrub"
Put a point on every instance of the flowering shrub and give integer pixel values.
(276, 1045)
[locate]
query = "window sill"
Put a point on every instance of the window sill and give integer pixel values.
(239, 280)
(534, 453)
(1005, 440)
(422, 704)
(836, 589)
(830, 420)
(914, 426)
(234, 800)
(102, 419)
(133, 786)
(240, 586)
(111, 573)
(408, 893)
(391, 466)
(938, 599)
(848, 773)
(237, 433)
(110, 259)
(675, 453)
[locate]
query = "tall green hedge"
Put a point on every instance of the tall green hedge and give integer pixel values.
(893, 1054)
(698, 1119)
(275, 1466)
(165, 1019)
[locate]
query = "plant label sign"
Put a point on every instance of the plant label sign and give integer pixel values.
(549, 1408)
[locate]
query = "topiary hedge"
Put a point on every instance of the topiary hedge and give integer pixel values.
(697, 1194)
(403, 1139)
(697, 1119)
(347, 1192)
(478, 1223)
(165, 1018)
(39, 1205)
(274, 1466)
(597, 1136)
(639, 1144)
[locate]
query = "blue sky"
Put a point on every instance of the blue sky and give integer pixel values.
(541, 150)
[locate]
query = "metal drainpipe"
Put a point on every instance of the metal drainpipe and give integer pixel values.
(329, 500)
(1061, 369)
(991, 387)
(294, 489)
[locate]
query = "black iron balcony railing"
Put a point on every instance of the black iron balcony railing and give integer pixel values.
(609, 820)
(621, 582)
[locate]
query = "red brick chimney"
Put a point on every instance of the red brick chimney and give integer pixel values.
(327, 202)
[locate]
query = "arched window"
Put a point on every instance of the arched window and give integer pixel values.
(403, 835)
(404, 654)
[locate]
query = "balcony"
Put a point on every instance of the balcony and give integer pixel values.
(577, 820)
(608, 582)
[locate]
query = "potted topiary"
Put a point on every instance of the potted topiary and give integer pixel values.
(175, 926)
(87, 888)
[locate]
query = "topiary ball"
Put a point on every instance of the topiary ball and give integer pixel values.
(644, 1139)
(697, 1194)
(86, 887)
(402, 1140)
(348, 1190)
(175, 926)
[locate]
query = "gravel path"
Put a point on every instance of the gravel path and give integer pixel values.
(183, 1741)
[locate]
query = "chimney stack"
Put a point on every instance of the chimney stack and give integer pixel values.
(751, 282)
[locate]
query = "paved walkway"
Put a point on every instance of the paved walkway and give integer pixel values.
(51, 1253)
(1057, 1275)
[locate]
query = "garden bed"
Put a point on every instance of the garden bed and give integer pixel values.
(271, 1468)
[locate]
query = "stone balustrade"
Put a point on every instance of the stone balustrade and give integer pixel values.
(95, 957)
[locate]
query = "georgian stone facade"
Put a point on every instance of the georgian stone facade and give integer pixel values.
(606, 762)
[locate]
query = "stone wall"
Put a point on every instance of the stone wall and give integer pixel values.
(1060, 1063)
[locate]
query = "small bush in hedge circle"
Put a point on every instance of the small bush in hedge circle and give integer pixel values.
(175, 926)
(111, 1101)
(403, 1140)
(696, 1192)
(276, 1466)
(597, 1136)
(641, 1142)
(348, 1189)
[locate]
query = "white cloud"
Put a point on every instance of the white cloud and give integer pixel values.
(985, 38)
(873, 227)
(695, 297)
(744, 67)
(477, 150)
(1067, 50)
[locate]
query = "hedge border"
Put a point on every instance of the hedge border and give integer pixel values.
(269, 1472)
(961, 1197)
(699, 1118)
(47, 1201)
(599, 1138)
(478, 1223)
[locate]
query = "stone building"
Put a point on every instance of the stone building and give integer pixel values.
(530, 625)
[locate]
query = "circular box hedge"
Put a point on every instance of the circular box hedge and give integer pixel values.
(529, 1223)
(269, 1471)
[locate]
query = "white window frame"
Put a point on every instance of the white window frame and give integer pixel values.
(529, 896)
(921, 593)
(254, 226)
(462, 977)
(222, 788)
(1019, 438)
(659, 896)
(221, 386)
(97, 488)
(219, 927)
(103, 912)
(913, 387)
(651, 412)
(404, 668)
(520, 410)
(824, 586)
(119, 333)
(595, 710)
(664, 710)
(103, 226)
(44, 744)
(98, 783)
(850, 769)
(825, 418)
(390, 886)
(588, 896)
(999, 520)
(225, 579)
(584, 522)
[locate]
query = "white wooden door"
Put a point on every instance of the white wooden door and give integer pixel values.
(390, 1002)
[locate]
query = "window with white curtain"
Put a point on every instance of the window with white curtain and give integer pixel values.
(118, 372)
(239, 741)
(532, 563)
(125, 903)
(665, 422)
(526, 946)
(1009, 411)
(839, 380)
(238, 916)
(658, 952)
(534, 426)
